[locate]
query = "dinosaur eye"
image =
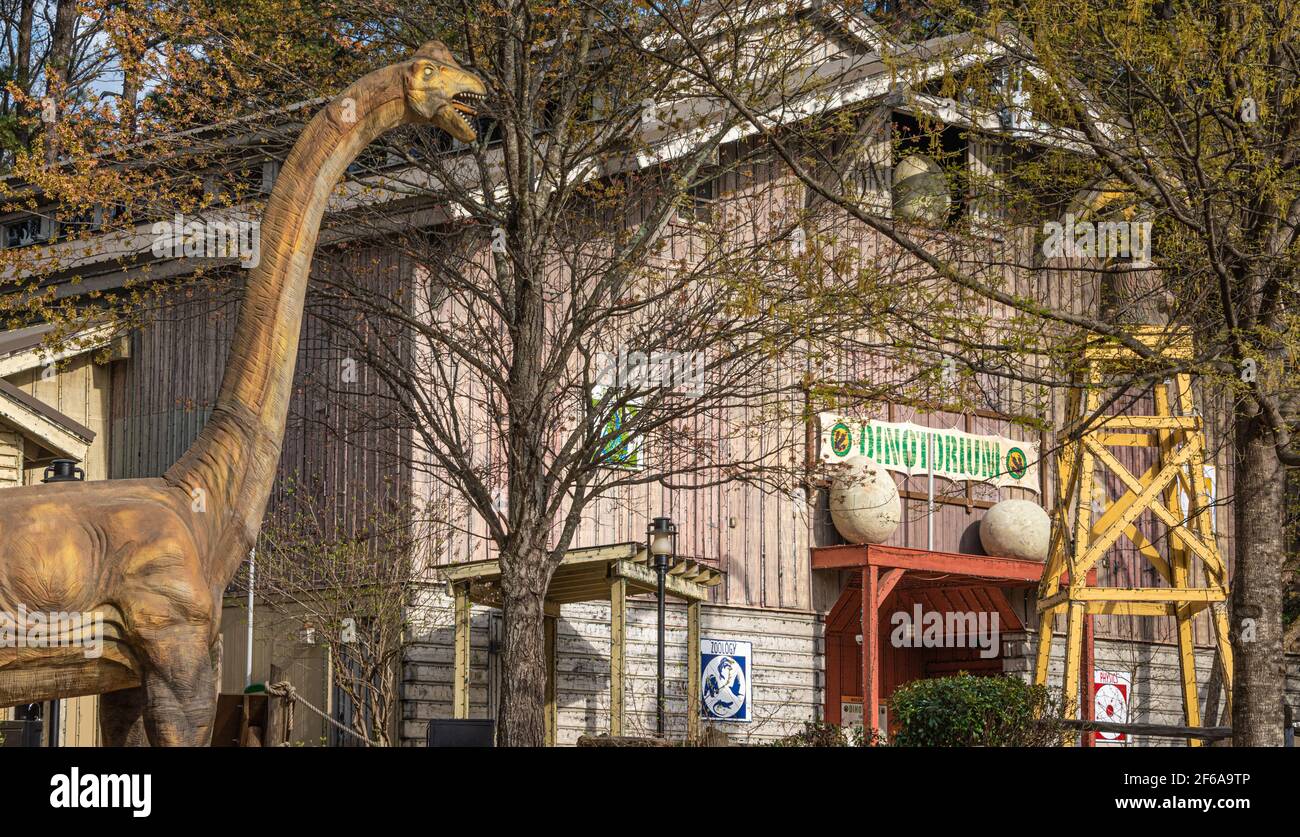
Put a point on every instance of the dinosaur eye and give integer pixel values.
(428, 71)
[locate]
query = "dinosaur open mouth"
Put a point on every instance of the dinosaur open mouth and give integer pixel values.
(464, 105)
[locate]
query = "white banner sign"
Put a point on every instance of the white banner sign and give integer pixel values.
(905, 447)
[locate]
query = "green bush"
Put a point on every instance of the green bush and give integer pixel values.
(967, 711)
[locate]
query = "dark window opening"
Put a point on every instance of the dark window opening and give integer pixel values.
(701, 196)
(945, 144)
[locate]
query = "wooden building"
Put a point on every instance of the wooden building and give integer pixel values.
(792, 589)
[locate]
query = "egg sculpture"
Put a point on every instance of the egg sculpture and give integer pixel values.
(921, 190)
(865, 507)
(1016, 529)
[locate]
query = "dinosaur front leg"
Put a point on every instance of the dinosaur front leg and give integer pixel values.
(180, 691)
(121, 718)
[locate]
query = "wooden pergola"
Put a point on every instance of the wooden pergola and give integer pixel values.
(591, 574)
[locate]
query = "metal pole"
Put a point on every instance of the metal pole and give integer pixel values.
(252, 574)
(662, 568)
(929, 491)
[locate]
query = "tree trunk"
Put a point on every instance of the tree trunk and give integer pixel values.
(58, 69)
(130, 93)
(1259, 506)
(23, 65)
(523, 690)
(23, 60)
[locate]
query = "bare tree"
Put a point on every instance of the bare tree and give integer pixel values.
(611, 303)
(348, 588)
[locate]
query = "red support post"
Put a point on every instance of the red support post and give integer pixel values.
(870, 651)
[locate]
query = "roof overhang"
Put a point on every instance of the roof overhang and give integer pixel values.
(1010, 572)
(585, 575)
(43, 424)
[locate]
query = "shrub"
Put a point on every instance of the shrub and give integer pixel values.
(819, 734)
(967, 711)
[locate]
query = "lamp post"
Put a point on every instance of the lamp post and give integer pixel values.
(661, 538)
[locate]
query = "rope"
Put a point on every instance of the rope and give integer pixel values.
(286, 690)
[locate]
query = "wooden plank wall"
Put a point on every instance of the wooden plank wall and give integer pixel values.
(333, 447)
(760, 537)
(11, 458)
(276, 641)
(787, 688)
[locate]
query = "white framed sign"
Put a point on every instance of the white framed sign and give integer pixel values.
(1110, 702)
(851, 712)
(906, 448)
(725, 680)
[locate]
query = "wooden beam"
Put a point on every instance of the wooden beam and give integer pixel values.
(1098, 546)
(1044, 651)
(549, 624)
(1187, 670)
(460, 673)
(1073, 660)
(1157, 730)
(1149, 423)
(979, 566)
(887, 583)
(1148, 594)
(1147, 498)
(645, 578)
(870, 651)
(1077, 559)
(693, 672)
(491, 568)
(617, 651)
(839, 557)
(1219, 613)
(1125, 440)
(1131, 608)
(1172, 344)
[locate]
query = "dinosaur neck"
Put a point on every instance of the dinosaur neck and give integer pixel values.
(234, 459)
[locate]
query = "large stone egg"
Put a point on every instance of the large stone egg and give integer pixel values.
(921, 190)
(1016, 529)
(864, 502)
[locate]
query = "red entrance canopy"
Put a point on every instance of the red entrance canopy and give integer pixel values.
(938, 581)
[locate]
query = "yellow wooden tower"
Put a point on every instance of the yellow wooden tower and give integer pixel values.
(1078, 541)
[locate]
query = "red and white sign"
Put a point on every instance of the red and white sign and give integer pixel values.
(1110, 696)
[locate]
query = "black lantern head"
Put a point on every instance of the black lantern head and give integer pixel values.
(63, 470)
(662, 538)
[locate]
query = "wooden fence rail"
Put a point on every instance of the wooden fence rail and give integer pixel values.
(1157, 730)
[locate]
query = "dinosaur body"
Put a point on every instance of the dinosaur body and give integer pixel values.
(154, 556)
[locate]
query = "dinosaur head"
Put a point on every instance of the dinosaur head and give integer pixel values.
(441, 91)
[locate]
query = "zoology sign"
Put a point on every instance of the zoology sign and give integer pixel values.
(905, 447)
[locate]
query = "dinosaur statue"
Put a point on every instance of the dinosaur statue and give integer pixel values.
(154, 556)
